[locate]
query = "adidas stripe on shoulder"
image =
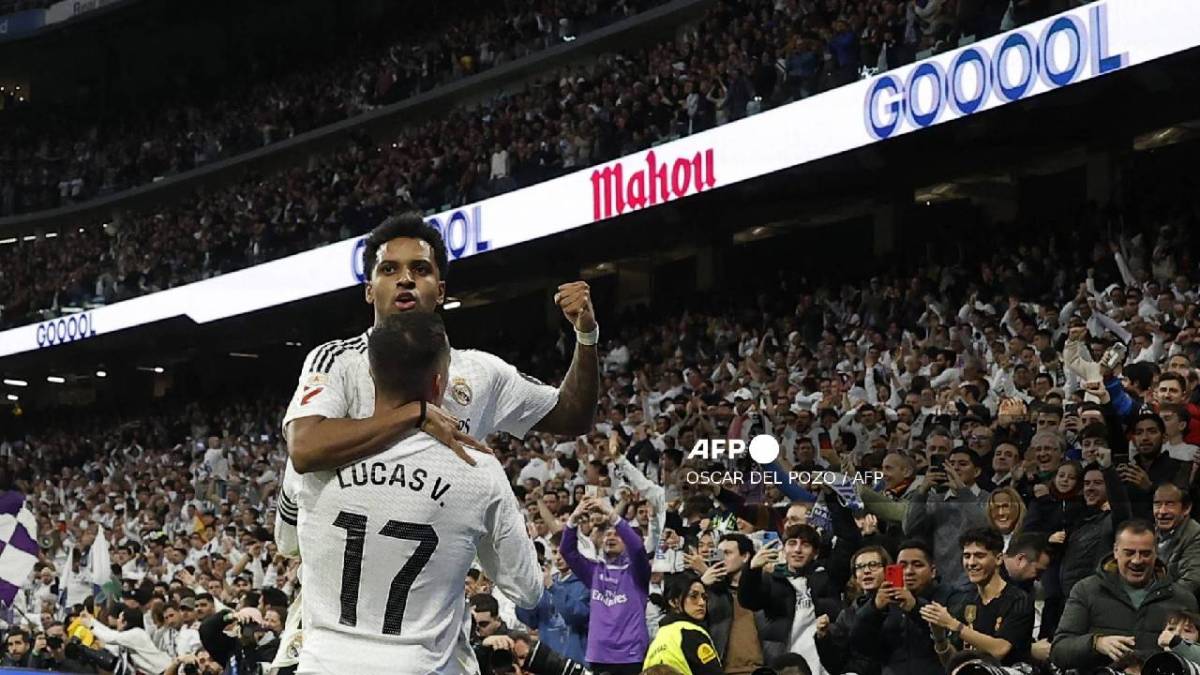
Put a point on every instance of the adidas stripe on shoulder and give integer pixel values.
(323, 357)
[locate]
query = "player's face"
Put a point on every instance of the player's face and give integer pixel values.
(405, 278)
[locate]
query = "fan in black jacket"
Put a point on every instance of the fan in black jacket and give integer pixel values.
(774, 591)
(838, 651)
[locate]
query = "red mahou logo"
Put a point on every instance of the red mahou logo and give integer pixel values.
(614, 193)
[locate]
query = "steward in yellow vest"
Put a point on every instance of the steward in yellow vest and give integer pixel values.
(682, 642)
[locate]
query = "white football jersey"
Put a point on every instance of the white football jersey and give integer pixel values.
(484, 391)
(387, 542)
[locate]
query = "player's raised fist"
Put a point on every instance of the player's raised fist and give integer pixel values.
(575, 300)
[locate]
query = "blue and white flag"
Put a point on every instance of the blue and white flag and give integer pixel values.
(18, 545)
(847, 492)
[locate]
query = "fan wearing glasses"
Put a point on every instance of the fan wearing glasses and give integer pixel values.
(834, 645)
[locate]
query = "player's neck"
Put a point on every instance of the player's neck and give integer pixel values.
(385, 401)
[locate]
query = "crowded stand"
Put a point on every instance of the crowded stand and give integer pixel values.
(1025, 402)
(739, 59)
(42, 167)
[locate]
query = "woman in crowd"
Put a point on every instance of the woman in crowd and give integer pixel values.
(683, 642)
(1006, 513)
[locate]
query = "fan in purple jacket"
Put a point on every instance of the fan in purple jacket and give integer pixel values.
(619, 588)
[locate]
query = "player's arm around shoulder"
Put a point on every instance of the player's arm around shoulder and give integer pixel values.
(320, 434)
(506, 552)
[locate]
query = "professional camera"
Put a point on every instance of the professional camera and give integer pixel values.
(545, 661)
(983, 668)
(541, 660)
(190, 669)
(1169, 663)
(100, 658)
(247, 633)
(54, 642)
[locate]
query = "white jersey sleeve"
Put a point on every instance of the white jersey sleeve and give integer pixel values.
(506, 553)
(286, 538)
(324, 389)
(521, 401)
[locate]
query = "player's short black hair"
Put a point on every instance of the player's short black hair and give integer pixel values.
(405, 349)
(407, 224)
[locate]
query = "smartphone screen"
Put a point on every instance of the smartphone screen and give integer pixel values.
(825, 442)
(894, 575)
(592, 490)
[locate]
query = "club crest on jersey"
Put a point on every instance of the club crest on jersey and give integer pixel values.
(294, 647)
(315, 380)
(460, 391)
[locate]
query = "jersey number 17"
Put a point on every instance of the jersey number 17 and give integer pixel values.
(355, 525)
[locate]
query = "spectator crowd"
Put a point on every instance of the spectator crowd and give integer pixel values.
(1032, 406)
(42, 167)
(741, 57)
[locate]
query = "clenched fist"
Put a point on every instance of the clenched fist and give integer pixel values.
(575, 300)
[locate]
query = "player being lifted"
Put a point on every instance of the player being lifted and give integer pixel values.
(332, 419)
(387, 540)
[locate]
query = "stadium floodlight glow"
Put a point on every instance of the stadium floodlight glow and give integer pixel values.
(101, 373)
(51, 235)
(16, 383)
(13, 397)
(293, 343)
(81, 229)
(10, 240)
(452, 303)
(243, 355)
(29, 237)
(159, 370)
(55, 379)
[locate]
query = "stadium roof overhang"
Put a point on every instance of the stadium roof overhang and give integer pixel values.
(543, 235)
